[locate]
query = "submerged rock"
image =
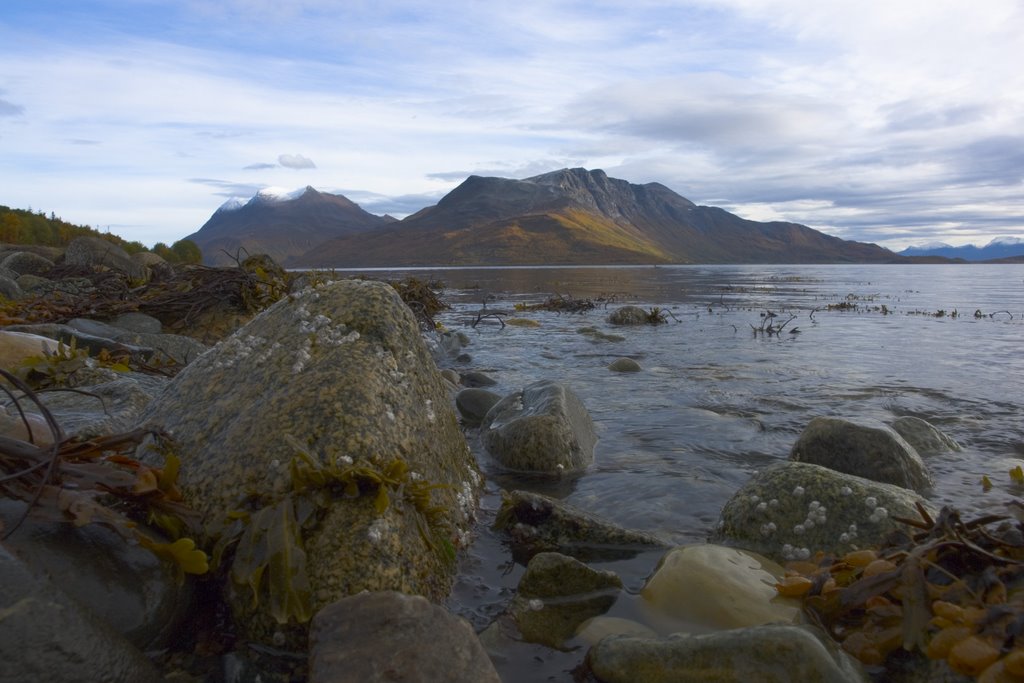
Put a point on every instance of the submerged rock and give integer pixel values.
(542, 428)
(389, 636)
(629, 315)
(925, 437)
(792, 509)
(767, 654)
(338, 375)
(557, 594)
(871, 451)
(537, 523)
(624, 365)
(704, 587)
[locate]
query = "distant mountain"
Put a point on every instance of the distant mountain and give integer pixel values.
(575, 216)
(999, 248)
(285, 225)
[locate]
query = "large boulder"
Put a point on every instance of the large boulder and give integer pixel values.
(767, 654)
(96, 252)
(26, 263)
(47, 636)
(872, 451)
(710, 587)
(16, 347)
(389, 636)
(329, 399)
(792, 509)
(542, 428)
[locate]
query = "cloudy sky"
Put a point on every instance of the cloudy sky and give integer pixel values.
(890, 121)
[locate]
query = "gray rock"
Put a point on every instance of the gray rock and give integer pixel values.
(26, 263)
(96, 251)
(557, 594)
(537, 523)
(473, 404)
(629, 315)
(624, 365)
(47, 636)
(389, 636)
(34, 283)
(769, 514)
(476, 379)
(924, 436)
(542, 428)
(10, 289)
(767, 654)
(340, 374)
(113, 402)
(599, 336)
(872, 451)
(451, 376)
(154, 265)
(121, 582)
(138, 322)
(96, 336)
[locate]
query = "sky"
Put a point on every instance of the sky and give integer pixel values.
(898, 122)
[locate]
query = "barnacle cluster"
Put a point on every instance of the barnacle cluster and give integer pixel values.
(953, 592)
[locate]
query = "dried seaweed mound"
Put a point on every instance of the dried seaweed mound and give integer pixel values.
(951, 590)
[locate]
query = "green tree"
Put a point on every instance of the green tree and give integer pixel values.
(187, 251)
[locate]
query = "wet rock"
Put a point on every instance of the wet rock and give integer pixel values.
(925, 438)
(98, 252)
(15, 347)
(624, 365)
(629, 315)
(119, 581)
(389, 636)
(767, 654)
(872, 451)
(476, 379)
(595, 629)
(473, 404)
(542, 428)
(770, 513)
(537, 523)
(557, 594)
(597, 335)
(522, 322)
(47, 636)
(451, 376)
(26, 263)
(705, 587)
(340, 372)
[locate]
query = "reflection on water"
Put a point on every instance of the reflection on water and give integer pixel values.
(715, 402)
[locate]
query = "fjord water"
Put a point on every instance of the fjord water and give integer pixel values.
(714, 401)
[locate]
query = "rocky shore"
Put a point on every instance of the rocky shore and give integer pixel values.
(279, 489)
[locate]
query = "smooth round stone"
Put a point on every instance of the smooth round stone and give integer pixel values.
(709, 587)
(624, 365)
(15, 347)
(593, 630)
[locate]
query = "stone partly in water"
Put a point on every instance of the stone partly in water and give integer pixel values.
(597, 335)
(542, 428)
(536, 523)
(924, 436)
(389, 636)
(767, 654)
(473, 404)
(557, 594)
(338, 374)
(790, 510)
(705, 587)
(624, 365)
(47, 636)
(594, 630)
(474, 378)
(629, 315)
(872, 451)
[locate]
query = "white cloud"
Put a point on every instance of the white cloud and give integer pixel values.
(295, 161)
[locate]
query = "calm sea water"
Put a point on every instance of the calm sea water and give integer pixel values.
(716, 402)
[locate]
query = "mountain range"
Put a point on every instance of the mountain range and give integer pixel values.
(999, 248)
(571, 216)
